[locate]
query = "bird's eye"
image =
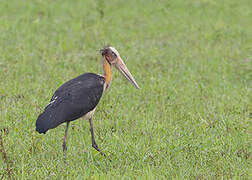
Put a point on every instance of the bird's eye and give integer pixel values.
(113, 54)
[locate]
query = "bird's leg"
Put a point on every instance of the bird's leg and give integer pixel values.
(94, 145)
(65, 138)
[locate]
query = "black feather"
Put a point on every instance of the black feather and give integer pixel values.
(71, 101)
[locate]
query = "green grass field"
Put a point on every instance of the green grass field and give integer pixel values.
(191, 119)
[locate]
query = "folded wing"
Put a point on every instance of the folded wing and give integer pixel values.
(71, 101)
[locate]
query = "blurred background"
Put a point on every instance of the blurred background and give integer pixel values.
(191, 118)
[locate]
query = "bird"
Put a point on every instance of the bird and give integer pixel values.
(79, 97)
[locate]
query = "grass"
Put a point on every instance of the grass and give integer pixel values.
(190, 120)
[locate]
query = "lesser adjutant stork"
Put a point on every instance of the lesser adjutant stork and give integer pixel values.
(79, 96)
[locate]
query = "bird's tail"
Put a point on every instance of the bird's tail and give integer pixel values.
(42, 123)
(53, 115)
(49, 119)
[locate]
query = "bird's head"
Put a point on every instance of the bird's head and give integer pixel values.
(111, 55)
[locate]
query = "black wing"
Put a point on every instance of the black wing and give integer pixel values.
(71, 101)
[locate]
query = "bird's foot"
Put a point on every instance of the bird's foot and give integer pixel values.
(94, 145)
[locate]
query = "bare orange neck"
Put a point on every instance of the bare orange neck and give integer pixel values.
(107, 72)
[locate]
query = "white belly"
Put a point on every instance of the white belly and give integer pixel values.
(89, 114)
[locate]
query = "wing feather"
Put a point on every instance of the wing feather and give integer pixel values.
(71, 101)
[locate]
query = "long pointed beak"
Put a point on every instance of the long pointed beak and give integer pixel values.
(125, 72)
